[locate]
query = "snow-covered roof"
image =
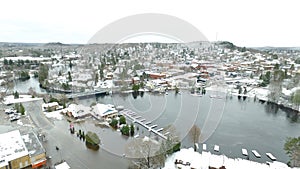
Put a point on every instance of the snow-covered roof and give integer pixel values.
(104, 110)
(79, 110)
(52, 104)
(11, 147)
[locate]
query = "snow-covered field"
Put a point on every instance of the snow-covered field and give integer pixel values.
(22, 98)
(54, 114)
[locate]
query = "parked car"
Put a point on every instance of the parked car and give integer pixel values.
(10, 111)
(15, 118)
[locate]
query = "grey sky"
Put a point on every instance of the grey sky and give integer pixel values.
(245, 23)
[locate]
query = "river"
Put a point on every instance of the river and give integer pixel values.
(243, 123)
(238, 124)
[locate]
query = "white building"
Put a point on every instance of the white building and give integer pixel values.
(105, 111)
(13, 151)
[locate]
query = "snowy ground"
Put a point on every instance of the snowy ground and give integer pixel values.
(205, 159)
(54, 114)
(22, 98)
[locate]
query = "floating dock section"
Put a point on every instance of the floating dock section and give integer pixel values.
(256, 154)
(271, 156)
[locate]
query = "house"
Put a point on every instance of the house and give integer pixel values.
(135, 80)
(78, 111)
(156, 75)
(105, 111)
(50, 106)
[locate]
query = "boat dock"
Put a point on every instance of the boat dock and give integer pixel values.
(135, 119)
(271, 156)
(85, 94)
(216, 148)
(204, 146)
(244, 152)
(256, 153)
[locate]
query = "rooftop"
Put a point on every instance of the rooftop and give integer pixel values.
(11, 147)
(33, 144)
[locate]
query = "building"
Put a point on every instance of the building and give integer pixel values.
(18, 151)
(13, 152)
(50, 106)
(36, 151)
(156, 75)
(105, 111)
(78, 111)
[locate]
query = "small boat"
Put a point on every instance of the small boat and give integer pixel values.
(244, 152)
(204, 146)
(271, 156)
(197, 146)
(256, 153)
(216, 148)
(216, 96)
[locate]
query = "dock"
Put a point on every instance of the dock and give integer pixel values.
(197, 146)
(85, 94)
(159, 130)
(244, 152)
(204, 146)
(216, 148)
(135, 119)
(271, 156)
(147, 123)
(256, 154)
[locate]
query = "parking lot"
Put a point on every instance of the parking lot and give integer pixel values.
(15, 120)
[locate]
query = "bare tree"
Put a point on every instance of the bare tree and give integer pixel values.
(63, 100)
(8, 85)
(275, 86)
(143, 151)
(296, 99)
(32, 92)
(194, 135)
(149, 153)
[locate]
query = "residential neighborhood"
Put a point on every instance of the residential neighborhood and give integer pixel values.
(89, 88)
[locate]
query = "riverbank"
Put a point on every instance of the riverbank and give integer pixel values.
(188, 158)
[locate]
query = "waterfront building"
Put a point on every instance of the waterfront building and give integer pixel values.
(18, 151)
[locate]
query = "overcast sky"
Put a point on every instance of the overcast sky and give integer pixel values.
(243, 22)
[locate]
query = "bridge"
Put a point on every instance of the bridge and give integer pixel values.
(135, 119)
(85, 94)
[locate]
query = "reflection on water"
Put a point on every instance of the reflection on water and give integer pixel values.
(245, 123)
(23, 86)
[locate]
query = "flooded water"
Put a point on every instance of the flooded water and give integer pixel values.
(242, 124)
(23, 86)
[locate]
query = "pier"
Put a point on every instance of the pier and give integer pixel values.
(85, 94)
(257, 155)
(271, 156)
(244, 152)
(135, 119)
